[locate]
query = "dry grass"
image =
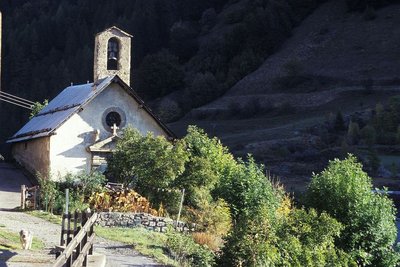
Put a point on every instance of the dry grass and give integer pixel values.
(212, 241)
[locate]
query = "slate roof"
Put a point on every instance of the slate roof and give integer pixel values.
(69, 102)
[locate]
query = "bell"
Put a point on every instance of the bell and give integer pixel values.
(112, 56)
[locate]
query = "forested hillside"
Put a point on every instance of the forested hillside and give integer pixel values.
(191, 50)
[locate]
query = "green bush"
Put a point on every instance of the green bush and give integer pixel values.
(48, 192)
(80, 186)
(306, 238)
(344, 191)
(150, 164)
(183, 248)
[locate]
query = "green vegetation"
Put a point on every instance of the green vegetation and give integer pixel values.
(169, 248)
(232, 200)
(37, 107)
(368, 218)
(241, 217)
(81, 186)
(10, 241)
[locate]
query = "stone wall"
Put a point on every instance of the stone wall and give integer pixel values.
(148, 221)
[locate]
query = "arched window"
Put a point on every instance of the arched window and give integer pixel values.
(113, 54)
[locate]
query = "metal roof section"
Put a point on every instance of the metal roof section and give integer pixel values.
(69, 102)
(61, 108)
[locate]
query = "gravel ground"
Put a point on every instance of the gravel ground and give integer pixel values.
(117, 254)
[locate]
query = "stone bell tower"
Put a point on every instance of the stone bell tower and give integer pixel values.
(112, 54)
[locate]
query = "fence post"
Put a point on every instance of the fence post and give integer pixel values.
(66, 200)
(34, 198)
(180, 207)
(23, 196)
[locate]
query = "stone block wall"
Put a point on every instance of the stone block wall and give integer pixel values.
(148, 221)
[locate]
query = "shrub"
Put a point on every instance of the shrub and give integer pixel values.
(84, 184)
(212, 241)
(212, 217)
(344, 191)
(253, 202)
(183, 248)
(48, 191)
(306, 238)
(149, 163)
(123, 201)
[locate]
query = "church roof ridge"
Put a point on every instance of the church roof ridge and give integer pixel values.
(69, 102)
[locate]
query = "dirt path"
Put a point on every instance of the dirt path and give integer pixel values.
(11, 179)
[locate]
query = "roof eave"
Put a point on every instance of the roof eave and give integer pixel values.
(130, 91)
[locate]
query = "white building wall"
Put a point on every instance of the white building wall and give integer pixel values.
(68, 146)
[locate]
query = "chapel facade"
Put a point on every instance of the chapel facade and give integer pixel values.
(78, 129)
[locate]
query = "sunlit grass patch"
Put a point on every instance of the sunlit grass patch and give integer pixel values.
(10, 241)
(146, 242)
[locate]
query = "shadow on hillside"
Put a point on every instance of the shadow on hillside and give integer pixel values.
(5, 255)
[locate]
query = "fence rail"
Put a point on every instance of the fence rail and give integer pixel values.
(81, 245)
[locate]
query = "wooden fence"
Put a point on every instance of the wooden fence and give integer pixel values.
(77, 238)
(29, 197)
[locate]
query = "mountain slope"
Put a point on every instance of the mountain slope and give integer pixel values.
(335, 61)
(332, 44)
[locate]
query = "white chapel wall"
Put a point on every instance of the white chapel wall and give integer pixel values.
(115, 97)
(68, 148)
(68, 145)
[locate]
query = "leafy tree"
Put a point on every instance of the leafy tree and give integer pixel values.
(253, 202)
(306, 238)
(151, 163)
(344, 191)
(209, 161)
(37, 107)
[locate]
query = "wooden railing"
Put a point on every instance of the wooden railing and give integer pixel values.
(81, 245)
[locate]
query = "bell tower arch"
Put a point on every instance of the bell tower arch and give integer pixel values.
(112, 54)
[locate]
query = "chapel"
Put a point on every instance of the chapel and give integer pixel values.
(78, 129)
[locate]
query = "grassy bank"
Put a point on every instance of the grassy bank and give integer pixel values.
(146, 242)
(10, 241)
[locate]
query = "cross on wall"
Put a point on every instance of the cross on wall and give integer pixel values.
(114, 128)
